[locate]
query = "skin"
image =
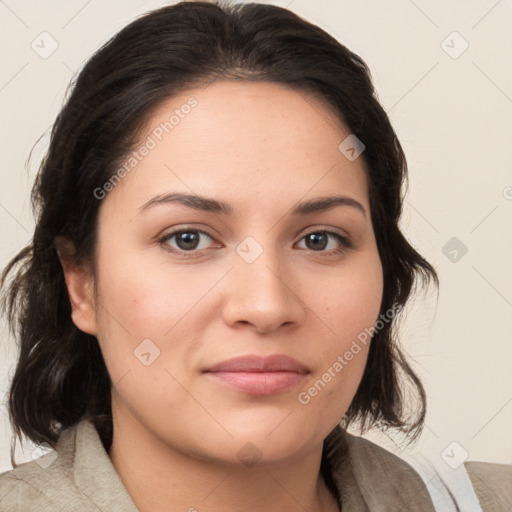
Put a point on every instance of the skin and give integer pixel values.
(262, 148)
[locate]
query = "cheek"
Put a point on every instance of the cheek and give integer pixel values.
(139, 302)
(144, 297)
(352, 302)
(350, 308)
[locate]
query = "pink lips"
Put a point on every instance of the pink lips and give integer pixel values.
(257, 375)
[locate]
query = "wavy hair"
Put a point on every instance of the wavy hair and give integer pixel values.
(60, 375)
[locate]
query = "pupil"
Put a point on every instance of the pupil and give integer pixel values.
(187, 240)
(314, 237)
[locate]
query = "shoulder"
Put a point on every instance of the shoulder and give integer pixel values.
(77, 476)
(44, 484)
(19, 489)
(380, 468)
(492, 484)
(370, 477)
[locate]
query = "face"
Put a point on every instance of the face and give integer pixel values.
(185, 285)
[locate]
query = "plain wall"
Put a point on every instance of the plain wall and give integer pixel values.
(452, 110)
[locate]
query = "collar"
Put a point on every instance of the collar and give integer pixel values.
(368, 478)
(93, 471)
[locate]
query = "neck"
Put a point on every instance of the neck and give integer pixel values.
(158, 476)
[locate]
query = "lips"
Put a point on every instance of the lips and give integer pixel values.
(253, 363)
(257, 375)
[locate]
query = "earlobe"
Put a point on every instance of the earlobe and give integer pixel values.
(80, 286)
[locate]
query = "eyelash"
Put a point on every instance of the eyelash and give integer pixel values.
(344, 241)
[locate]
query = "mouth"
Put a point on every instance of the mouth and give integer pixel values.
(257, 375)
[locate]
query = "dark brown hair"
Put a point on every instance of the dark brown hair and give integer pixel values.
(60, 375)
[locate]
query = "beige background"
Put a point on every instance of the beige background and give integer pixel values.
(452, 110)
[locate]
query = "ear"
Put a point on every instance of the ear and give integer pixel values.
(80, 286)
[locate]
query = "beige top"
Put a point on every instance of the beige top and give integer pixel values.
(369, 479)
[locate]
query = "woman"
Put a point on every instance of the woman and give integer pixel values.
(211, 294)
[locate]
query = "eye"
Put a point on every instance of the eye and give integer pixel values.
(185, 240)
(318, 241)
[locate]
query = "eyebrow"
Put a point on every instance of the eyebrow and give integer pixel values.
(208, 204)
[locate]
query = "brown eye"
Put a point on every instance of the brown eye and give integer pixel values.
(185, 240)
(318, 241)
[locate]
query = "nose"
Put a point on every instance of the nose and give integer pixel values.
(264, 294)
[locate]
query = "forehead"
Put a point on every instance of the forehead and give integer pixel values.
(241, 140)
